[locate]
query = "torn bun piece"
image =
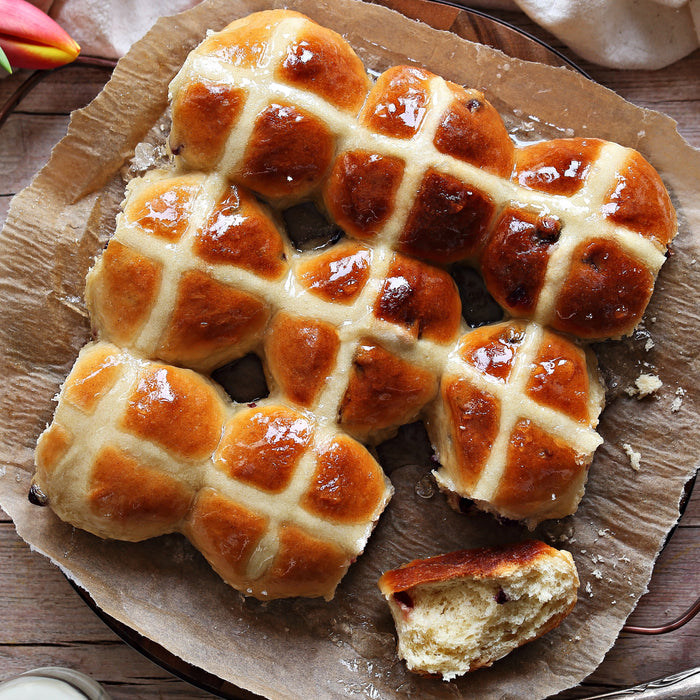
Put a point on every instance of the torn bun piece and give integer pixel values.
(514, 424)
(465, 610)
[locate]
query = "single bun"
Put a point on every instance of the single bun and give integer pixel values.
(183, 278)
(464, 610)
(357, 338)
(514, 430)
(590, 274)
(262, 100)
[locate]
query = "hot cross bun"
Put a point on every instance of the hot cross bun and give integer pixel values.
(279, 504)
(515, 427)
(357, 338)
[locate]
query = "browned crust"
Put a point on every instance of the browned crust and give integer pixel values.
(301, 354)
(338, 275)
(481, 563)
(348, 485)
(127, 290)
(262, 446)
(135, 495)
(384, 390)
(605, 292)
(397, 104)
(639, 201)
(92, 378)
(288, 153)
(239, 232)
(421, 298)
(204, 114)
(176, 409)
(472, 130)
(321, 61)
(360, 192)
(559, 166)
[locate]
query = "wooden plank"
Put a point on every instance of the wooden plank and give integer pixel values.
(635, 657)
(59, 92)
(42, 602)
(139, 678)
(691, 515)
(674, 583)
(28, 577)
(103, 663)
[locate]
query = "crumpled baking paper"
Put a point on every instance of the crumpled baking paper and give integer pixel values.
(163, 589)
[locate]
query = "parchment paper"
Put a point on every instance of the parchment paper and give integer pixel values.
(295, 649)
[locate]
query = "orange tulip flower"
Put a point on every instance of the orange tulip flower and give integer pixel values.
(29, 38)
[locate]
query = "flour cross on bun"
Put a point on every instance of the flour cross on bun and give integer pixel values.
(357, 338)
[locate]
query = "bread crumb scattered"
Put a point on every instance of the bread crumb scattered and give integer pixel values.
(644, 385)
(649, 344)
(635, 457)
(678, 401)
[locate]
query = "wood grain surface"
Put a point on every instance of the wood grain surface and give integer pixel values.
(45, 622)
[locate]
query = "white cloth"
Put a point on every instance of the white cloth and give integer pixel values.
(107, 28)
(644, 34)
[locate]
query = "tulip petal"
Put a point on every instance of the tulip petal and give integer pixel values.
(31, 39)
(23, 54)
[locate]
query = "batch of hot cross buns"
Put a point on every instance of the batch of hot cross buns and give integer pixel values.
(357, 338)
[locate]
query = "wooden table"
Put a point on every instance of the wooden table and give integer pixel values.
(45, 622)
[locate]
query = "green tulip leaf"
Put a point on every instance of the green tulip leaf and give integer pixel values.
(4, 62)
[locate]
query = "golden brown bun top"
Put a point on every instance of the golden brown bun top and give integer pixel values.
(317, 59)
